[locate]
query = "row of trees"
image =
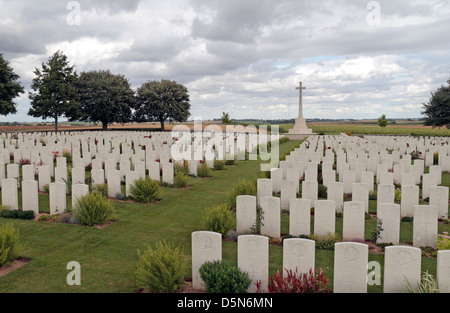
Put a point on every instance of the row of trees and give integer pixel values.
(93, 96)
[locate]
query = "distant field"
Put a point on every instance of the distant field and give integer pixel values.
(364, 128)
(360, 127)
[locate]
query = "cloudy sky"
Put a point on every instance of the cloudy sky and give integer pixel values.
(358, 59)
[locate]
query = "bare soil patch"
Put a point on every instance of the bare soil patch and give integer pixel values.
(12, 266)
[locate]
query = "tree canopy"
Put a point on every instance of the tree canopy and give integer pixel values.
(382, 121)
(55, 93)
(162, 100)
(437, 110)
(105, 97)
(10, 88)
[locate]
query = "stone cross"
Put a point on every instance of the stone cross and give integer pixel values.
(300, 102)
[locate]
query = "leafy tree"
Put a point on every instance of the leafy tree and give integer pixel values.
(105, 97)
(382, 121)
(55, 92)
(9, 88)
(162, 100)
(437, 110)
(225, 118)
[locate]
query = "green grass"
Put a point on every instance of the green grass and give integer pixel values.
(362, 129)
(108, 256)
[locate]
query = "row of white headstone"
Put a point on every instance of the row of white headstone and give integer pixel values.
(351, 266)
(137, 146)
(425, 223)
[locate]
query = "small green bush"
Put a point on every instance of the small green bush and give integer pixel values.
(218, 219)
(325, 242)
(220, 277)
(243, 187)
(16, 214)
(9, 244)
(322, 191)
(145, 190)
(180, 180)
(161, 269)
(407, 219)
(93, 209)
(219, 165)
(203, 170)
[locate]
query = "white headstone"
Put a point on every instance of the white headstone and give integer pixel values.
(206, 247)
(288, 192)
(78, 191)
(350, 267)
(270, 208)
(300, 217)
(299, 255)
(335, 192)
(360, 193)
(253, 258)
(324, 217)
(57, 198)
(409, 198)
(443, 270)
(353, 221)
(425, 226)
(386, 193)
(439, 199)
(389, 215)
(400, 263)
(245, 213)
(9, 193)
(310, 191)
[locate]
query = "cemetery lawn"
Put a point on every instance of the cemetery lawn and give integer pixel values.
(108, 256)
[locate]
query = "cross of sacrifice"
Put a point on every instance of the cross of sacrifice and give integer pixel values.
(300, 102)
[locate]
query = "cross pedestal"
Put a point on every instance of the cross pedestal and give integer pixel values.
(300, 130)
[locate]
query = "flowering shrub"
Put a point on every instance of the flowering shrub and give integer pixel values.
(24, 162)
(443, 242)
(293, 282)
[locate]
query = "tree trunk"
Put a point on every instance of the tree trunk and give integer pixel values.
(162, 125)
(104, 126)
(56, 123)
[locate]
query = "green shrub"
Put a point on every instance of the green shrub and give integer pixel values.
(145, 190)
(219, 165)
(407, 219)
(180, 180)
(243, 187)
(203, 170)
(161, 269)
(220, 277)
(92, 209)
(398, 195)
(218, 219)
(325, 242)
(443, 242)
(16, 214)
(182, 167)
(322, 191)
(100, 188)
(427, 284)
(9, 244)
(48, 218)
